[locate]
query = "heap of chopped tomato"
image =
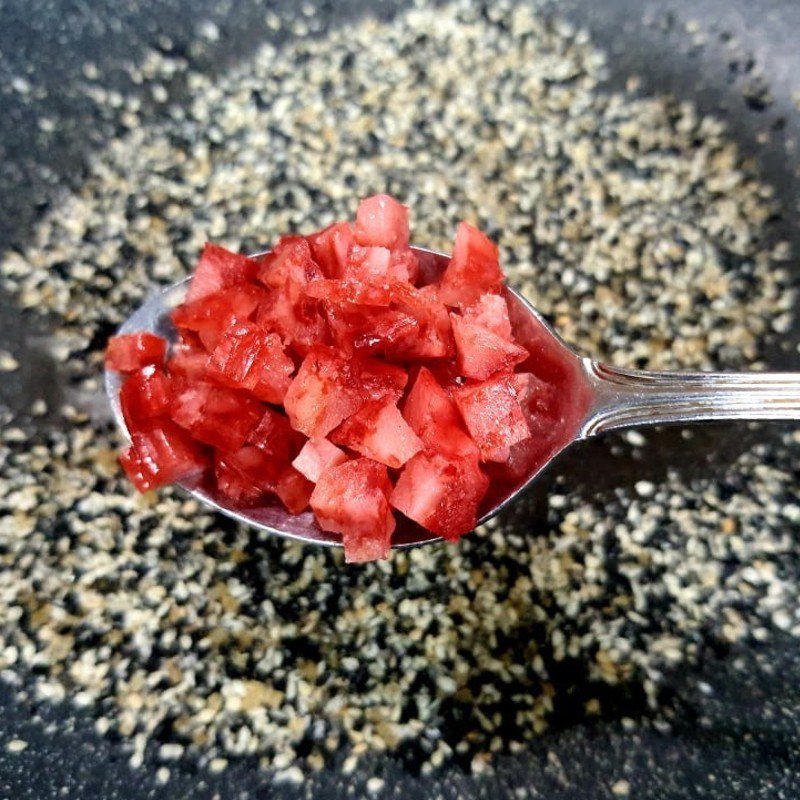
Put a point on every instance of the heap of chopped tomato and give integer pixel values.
(324, 375)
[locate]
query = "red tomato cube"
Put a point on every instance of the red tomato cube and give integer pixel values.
(434, 339)
(127, 352)
(347, 292)
(482, 353)
(294, 490)
(275, 436)
(212, 315)
(493, 416)
(329, 248)
(434, 417)
(328, 388)
(538, 401)
(382, 222)
(322, 394)
(215, 415)
(249, 358)
(161, 453)
(289, 265)
(146, 393)
(473, 270)
(352, 499)
(490, 311)
(372, 331)
(377, 430)
(404, 266)
(368, 264)
(234, 485)
(441, 494)
(218, 269)
(316, 456)
(378, 380)
(188, 358)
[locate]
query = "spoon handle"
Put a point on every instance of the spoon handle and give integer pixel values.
(624, 398)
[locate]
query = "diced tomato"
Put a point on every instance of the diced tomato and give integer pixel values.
(482, 353)
(473, 270)
(493, 416)
(328, 329)
(352, 499)
(382, 222)
(538, 401)
(234, 484)
(490, 311)
(441, 494)
(378, 380)
(316, 456)
(404, 266)
(294, 490)
(247, 473)
(536, 397)
(212, 315)
(215, 415)
(347, 292)
(276, 437)
(188, 358)
(330, 247)
(377, 430)
(146, 393)
(290, 265)
(127, 352)
(379, 264)
(372, 331)
(433, 416)
(434, 339)
(297, 318)
(368, 264)
(218, 269)
(161, 453)
(249, 358)
(323, 393)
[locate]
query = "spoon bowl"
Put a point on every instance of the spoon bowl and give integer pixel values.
(597, 397)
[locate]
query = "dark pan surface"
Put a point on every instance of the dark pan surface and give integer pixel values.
(747, 744)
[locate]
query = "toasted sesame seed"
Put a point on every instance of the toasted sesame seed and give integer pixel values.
(632, 221)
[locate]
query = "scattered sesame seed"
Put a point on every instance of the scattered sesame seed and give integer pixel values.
(621, 788)
(7, 362)
(16, 745)
(634, 222)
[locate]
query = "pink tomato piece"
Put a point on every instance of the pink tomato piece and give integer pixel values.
(146, 393)
(482, 353)
(493, 416)
(352, 499)
(378, 431)
(382, 222)
(490, 311)
(128, 352)
(440, 493)
(473, 270)
(161, 453)
(219, 269)
(318, 455)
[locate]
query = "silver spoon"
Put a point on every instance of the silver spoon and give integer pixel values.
(606, 398)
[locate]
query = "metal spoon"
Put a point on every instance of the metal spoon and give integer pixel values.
(602, 398)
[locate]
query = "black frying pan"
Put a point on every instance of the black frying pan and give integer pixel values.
(747, 746)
